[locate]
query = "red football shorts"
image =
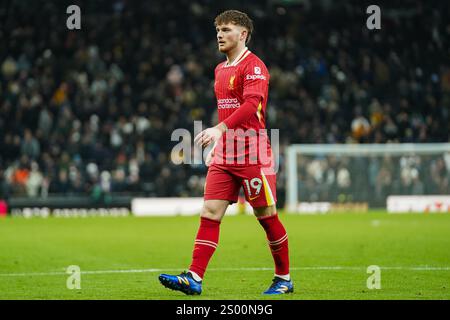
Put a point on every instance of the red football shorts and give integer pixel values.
(224, 183)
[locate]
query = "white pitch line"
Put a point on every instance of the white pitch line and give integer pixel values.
(153, 270)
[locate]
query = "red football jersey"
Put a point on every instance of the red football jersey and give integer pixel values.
(246, 76)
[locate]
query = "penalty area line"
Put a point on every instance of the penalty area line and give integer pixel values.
(154, 270)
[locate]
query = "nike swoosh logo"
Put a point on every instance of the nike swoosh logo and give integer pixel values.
(250, 198)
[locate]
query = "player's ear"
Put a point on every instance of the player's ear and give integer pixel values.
(244, 34)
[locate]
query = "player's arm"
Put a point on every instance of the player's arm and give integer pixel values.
(241, 115)
(244, 113)
(255, 85)
(209, 135)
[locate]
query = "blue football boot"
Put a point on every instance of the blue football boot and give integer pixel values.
(183, 282)
(280, 286)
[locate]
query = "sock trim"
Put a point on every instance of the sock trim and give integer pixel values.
(279, 241)
(286, 277)
(206, 243)
(195, 276)
(209, 219)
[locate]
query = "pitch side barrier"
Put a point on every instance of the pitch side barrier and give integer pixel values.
(67, 206)
(145, 207)
(59, 206)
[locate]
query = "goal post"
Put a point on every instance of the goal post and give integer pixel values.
(365, 173)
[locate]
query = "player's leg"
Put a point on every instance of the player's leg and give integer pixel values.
(207, 237)
(260, 192)
(205, 244)
(220, 189)
(278, 243)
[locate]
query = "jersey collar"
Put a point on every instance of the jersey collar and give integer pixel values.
(241, 56)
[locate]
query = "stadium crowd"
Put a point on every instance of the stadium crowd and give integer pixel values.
(92, 110)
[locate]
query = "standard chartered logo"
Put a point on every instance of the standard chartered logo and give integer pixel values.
(228, 100)
(231, 103)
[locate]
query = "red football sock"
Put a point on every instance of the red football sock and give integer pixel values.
(205, 245)
(278, 243)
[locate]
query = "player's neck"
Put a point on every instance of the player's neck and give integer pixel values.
(235, 53)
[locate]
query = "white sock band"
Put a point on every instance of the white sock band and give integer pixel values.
(195, 276)
(286, 277)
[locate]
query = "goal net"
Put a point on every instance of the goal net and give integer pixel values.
(365, 174)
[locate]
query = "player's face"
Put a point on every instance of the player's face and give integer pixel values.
(229, 35)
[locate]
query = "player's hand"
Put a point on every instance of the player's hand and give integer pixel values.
(209, 135)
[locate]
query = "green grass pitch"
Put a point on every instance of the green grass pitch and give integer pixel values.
(120, 258)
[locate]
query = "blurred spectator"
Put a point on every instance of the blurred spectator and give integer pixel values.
(372, 179)
(95, 108)
(30, 145)
(35, 180)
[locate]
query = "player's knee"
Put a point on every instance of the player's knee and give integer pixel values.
(211, 214)
(265, 211)
(212, 211)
